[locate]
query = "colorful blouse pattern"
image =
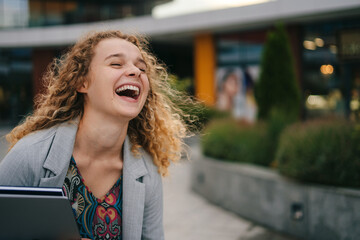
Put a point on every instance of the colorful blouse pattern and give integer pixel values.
(96, 218)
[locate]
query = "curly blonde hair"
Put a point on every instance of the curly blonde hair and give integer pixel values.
(159, 128)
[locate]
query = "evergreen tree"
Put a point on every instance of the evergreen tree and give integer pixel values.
(277, 88)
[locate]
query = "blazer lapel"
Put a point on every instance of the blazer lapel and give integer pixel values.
(56, 165)
(133, 193)
(58, 158)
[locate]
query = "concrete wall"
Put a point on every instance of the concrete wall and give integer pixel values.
(265, 197)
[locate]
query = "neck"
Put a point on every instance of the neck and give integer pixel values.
(100, 138)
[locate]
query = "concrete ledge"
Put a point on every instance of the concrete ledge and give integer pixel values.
(263, 196)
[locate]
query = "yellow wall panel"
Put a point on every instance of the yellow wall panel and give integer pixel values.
(205, 68)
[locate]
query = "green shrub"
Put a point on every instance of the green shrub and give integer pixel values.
(321, 152)
(231, 141)
(235, 141)
(276, 123)
(277, 86)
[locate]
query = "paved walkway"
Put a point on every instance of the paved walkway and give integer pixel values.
(188, 216)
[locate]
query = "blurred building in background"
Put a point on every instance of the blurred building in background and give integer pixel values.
(207, 44)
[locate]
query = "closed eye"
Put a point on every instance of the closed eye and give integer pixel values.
(142, 67)
(116, 64)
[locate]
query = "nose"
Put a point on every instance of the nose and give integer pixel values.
(133, 71)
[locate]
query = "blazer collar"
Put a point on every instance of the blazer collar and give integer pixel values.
(134, 169)
(62, 147)
(60, 151)
(133, 193)
(133, 164)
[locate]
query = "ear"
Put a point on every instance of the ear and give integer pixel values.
(84, 87)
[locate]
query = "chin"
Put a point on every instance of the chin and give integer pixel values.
(128, 115)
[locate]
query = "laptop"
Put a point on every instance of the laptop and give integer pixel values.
(36, 213)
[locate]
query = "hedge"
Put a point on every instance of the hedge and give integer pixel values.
(236, 141)
(233, 141)
(325, 152)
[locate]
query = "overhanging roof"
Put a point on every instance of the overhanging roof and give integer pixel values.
(177, 27)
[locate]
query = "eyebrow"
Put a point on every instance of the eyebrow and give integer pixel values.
(120, 55)
(115, 55)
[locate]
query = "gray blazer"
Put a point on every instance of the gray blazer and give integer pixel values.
(42, 158)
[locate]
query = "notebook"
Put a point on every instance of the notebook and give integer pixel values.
(36, 213)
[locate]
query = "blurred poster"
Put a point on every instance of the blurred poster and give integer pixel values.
(235, 91)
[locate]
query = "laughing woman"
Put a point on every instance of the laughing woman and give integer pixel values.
(105, 131)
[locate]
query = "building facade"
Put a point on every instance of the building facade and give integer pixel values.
(208, 46)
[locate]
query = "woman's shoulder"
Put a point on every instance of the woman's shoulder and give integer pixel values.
(25, 163)
(32, 145)
(42, 138)
(35, 138)
(20, 167)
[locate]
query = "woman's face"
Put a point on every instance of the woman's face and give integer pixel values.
(117, 84)
(231, 85)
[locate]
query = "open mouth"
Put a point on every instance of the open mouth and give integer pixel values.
(128, 91)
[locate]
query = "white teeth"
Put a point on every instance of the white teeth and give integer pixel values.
(128, 87)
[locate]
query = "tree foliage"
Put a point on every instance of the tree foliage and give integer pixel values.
(277, 87)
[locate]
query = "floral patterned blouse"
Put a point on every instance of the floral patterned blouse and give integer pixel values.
(96, 218)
